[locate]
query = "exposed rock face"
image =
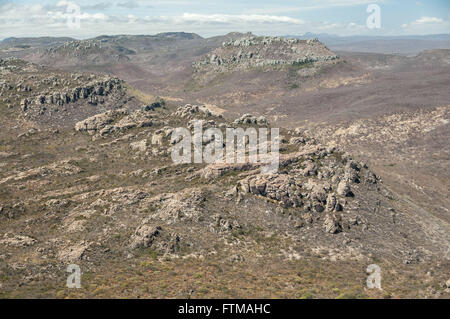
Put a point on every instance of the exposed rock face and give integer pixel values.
(252, 51)
(93, 50)
(17, 241)
(24, 104)
(297, 140)
(155, 237)
(140, 146)
(343, 189)
(93, 93)
(74, 253)
(57, 98)
(109, 122)
(190, 111)
(332, 203)
(281, 188)
(144, 236)
(157, 138)
(185, 205)
(63, 168)
(96, 122)
(251, 119)
(222, 224)
(332, 224)
(307, 186)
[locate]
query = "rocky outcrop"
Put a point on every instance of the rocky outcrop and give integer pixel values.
(156, 238)
(99, 121)
(119, 120)
(93, 93)
(185, 205)
(24, 105)
(189, 111)
(144, 236)
(63, 168)
(332, 224)
(140, 146)
(251, 119)
(281, 188)
(74, 252)
(315, 181)
(252, 51)
(17, 240)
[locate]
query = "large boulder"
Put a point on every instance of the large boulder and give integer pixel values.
(144, 236)
(99, 121)
(343, 189)
(332, 224)
(251, 119)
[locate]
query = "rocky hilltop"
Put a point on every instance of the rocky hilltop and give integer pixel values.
(27, 43)
(95, 50)
(252, 51)
(55, 97)
(111, 49)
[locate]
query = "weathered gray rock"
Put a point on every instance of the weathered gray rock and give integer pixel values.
(140, 146)
(157, 139)
(343, 189)
(182, 206)
(331, 202)
(144, 236)
(279, 187)
(251, 119)
(24, 104)
(99, 121)
(191, 111)
(17, 241)
(297, 140)
(332, 224)
(251, 51)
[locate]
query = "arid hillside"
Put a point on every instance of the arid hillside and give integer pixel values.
(97, 187)
(87, 177)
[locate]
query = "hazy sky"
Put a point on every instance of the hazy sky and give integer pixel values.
(208, 17)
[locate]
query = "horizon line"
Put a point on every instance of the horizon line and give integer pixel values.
(285, 35)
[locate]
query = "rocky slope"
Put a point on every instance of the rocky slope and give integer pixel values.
(31, 43)
(102, 192)
(408, 148)
(252, 52)
(55, 97)
(115, 50)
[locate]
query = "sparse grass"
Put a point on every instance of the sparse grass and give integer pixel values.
(298, 66)
(338, 156)
(263, 272)
(144, 97)
(148, 252)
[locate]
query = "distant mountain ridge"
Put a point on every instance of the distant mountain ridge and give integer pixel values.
(31, 41)
(404, 45)
(42, 41)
